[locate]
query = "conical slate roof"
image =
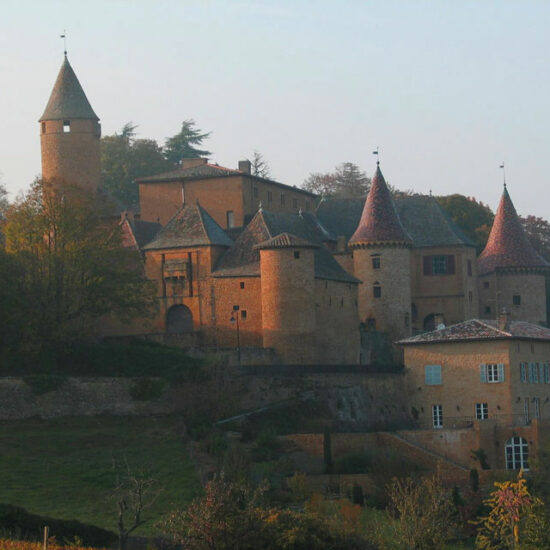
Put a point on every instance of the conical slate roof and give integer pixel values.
(508, 245)
(379, 220)
(191, 226)
(68, 99)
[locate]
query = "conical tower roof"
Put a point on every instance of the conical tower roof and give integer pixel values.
(379, 220)
(508, 245)
(68, 99)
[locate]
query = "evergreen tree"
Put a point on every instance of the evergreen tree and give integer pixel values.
(185, 144)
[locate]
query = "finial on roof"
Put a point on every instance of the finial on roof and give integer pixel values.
(260, 205)
(64, 36)
(377, 156)
(430, 191)
(503, 174)
(300, 212)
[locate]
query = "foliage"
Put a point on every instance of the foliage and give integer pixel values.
(12, 301)
(538, 233)
(266, 446)
(420, 515)
(146, 389)
(347, 181)
(27, 545)
(473, 217)
(297, 485)
(514, 517)
(4, 203)
(353, 463)
(20, 523)
(44, 383)
(125, 158)
(481, 456)
(259, 166)
(74, 268)
(327, 451)
(185, 144)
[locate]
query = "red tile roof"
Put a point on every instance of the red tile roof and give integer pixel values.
(379, 220)
(508, 245)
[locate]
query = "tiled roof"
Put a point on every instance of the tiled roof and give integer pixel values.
(243, 258)
(144, 232)
(68, 99)
(475, 329)
(508, 245)
(422, 216)
(379, 221)
(286, 240)
(191, 226)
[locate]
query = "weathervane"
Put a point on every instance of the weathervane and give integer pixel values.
(503, 174)
(64, 36)
(377, 156)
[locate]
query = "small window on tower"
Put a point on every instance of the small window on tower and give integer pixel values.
(66, 126)
(516, 300)
(243, 314)
(242, 284)
(376, 262)
(487, 309)
(376, 290)
(43, 127)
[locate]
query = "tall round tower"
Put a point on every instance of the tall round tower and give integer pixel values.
(381, 259)
(69, 134)
(512, 275)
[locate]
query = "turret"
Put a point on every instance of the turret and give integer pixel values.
(70, 134)
(511, 273)
(381, 257)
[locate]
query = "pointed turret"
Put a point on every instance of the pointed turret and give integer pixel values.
(69, 135)
(508, 245)
(379, 221)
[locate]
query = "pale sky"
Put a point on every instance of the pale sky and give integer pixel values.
(447, 89)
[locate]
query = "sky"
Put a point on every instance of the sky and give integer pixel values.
(448, 90)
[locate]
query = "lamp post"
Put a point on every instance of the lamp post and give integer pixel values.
(235, 319)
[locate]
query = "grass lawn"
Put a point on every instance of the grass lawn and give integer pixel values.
(63, 468)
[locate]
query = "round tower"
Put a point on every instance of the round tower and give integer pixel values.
(381, 259)
(512, 275)
(288, 297)
(69, 134)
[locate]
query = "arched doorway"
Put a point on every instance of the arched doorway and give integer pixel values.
(179, 319)
(517, 453)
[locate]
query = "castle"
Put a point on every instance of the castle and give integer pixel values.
(248, 262)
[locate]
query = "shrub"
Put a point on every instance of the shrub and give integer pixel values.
(146, 389)
(267, 447)
(353, 463)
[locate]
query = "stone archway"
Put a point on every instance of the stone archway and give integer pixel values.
(179, 320)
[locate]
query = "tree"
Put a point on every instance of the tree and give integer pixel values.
(538, 233)
(185, 144)
(74, 269)
(125, 158)
(4, 203)
(259, 165)
(347, 181)
(473, 217)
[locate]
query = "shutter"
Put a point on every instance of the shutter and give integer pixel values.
(546, 373)
(523, 373)
(531, 365)
(541, 373)
(501, 372)
(483, 373)
(450, 261)
(427, 265)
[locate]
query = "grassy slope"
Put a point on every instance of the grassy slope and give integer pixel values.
(63, 468)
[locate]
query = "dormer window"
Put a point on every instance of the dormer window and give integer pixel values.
(66, 126)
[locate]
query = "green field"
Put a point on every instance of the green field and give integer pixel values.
(63, 468)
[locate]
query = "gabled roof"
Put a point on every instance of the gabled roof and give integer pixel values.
(243, 258)
(285, 240)
(191, 226)
(141, 232)
(68, 99)
(379, 221)
(508, 245)
(474, 330)
(424, 219)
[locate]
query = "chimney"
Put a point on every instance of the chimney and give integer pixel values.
(504, 320)
(245, 166)
(191, 163)
(439, 321)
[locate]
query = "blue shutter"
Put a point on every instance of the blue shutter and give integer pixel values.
(501, 372)
(531, 372)
(483, 373)
(541, 373)
(523, 372)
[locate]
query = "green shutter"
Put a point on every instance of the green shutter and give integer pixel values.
(501, 372)
(483, 373)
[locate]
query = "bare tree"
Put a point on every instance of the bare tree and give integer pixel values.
(259, 165)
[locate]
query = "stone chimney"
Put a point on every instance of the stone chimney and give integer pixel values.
(245, 166)
(439, 321)
(191, 163)
(504, 320)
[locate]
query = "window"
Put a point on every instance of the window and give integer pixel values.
(487, 309)
(439, 265)
(269, 196)
(523, 372)
(282, 199)
(516, 299)
(43, 127)
(66, 126)
(517, 454)
(469, 268)
(536, 401)
(243, 314)
(241, 284)
(437, 416)
(482, 411)
(230, 219)
(432, 375)
(376, 262)
(534, 373)
(295, 203)
(491, 373)
(296, 254)
(255, 192)
(486, 284)
(376, 290)
(546, 373)
(526, 410)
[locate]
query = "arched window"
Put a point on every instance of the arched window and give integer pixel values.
(517, 454)
(179, 319)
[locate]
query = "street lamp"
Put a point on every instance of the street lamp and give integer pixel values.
(235, 319)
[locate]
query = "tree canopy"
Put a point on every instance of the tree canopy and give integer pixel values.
(347, 181)
(186, 143)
